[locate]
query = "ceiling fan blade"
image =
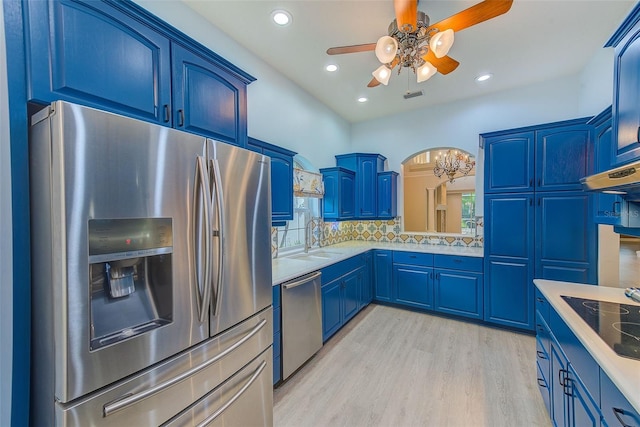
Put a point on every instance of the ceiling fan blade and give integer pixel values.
(476, 14)
(445, 65)
(373, 83)
(351, 49)
(406, 14)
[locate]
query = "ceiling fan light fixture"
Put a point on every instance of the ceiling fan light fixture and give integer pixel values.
(386, 49)
(382, 74)
(425, 71)
(441, 43)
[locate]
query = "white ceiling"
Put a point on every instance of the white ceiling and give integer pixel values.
(536, 40)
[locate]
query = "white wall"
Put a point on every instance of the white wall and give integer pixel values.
(279, 111)
(6, 258)
(596, 83)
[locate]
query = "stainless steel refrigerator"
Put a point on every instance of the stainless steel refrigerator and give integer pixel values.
(151, 275)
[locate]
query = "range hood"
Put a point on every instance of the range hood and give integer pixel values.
(623, 180)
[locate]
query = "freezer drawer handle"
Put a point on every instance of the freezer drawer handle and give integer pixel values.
(235, 397)
(302, 281)
(131, 399)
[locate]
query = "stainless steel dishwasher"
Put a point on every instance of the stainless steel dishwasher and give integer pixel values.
(301, 321)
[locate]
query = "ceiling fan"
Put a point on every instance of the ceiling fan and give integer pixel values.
(411, 42)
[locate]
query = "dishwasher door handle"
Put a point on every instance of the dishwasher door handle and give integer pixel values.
(302, 281)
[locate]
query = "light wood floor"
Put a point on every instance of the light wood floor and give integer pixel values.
(393, 367)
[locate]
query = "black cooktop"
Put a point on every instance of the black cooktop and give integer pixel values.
(617, 324)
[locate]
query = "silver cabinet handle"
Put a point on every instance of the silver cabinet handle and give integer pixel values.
(201, 183)
(235, 397)
(131, 399)
(302, 281)
(217, 184)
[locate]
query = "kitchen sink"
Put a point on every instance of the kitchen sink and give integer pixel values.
(315, 255)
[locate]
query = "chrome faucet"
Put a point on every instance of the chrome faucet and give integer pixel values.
(308, 235)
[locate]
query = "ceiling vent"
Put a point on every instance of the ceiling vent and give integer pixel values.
(413, 94)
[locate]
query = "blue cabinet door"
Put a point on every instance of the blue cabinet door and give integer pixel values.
(208, 100)
(509, 162)
(93, 54)
(562, 157)
(277, 313)
(565, 237)
(281, 184)
(387, 194)
(616, 409)
(509, 260)
(458, 292)
(331, 308)
(383, 275)
(584, 412)
(366, 294)
(339, 194)
(413, 285)
(366, 167)
(559, 387)
(626, 103)
(351, 287)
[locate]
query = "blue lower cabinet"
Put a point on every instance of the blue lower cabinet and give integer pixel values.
(508, 292)
(366, 284)
(616, 409)
(277, 372)
(413, 285)
(584, 411)
(332, 317)
(458, 292)
(351, 286)
(382, 275)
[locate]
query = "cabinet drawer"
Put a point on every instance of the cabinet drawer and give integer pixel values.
(584, 365)
(341, 268)
(458, 262)
(413, 258)
(542, 306)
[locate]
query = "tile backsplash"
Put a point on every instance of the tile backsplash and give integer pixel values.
(387, 231)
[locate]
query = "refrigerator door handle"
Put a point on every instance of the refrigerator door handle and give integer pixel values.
(219, 233)
(131, 399)
(235, 397)
(201, 183)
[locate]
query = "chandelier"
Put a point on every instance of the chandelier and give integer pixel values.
(451, 163)
(407, 47)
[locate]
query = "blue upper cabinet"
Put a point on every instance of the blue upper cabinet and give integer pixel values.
(562, 156)
(366, 167)
(93, 54)
(509, 162)
(608, 208)
(115, 56)
(339, 193)
(626, 90)
(281, 178)
(547, 157)
(207, 100)
(387, 195)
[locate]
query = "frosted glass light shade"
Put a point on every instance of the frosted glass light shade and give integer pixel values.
(425, 71)
(386, 49)
(382, 74)
(441, 42)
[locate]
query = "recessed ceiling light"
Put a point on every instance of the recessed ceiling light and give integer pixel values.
(281, 17)
(363, 99)
(484, 77)
(331, 68)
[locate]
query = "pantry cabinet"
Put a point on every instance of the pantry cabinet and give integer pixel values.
(117, 57)
(538, 221)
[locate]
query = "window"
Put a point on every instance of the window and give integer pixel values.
(291, 237)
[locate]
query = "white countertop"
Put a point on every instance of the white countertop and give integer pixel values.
(624, 372)
(286, 268)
